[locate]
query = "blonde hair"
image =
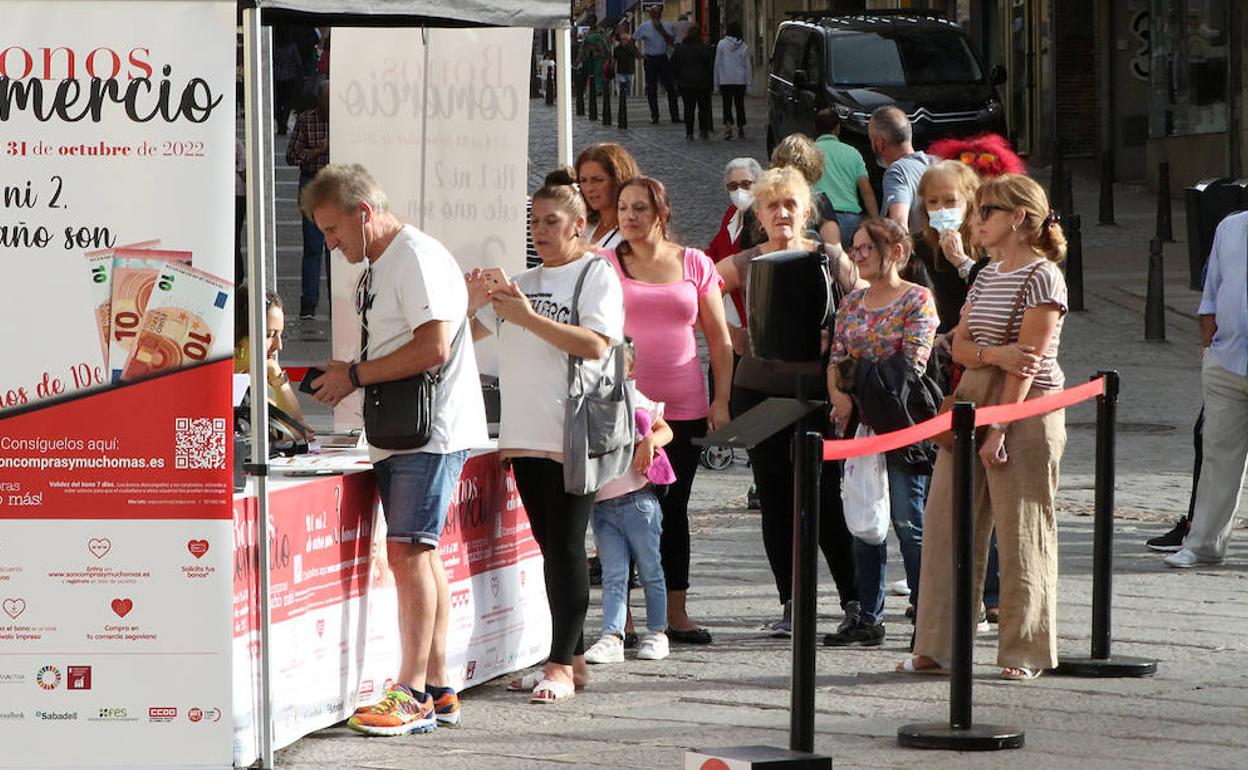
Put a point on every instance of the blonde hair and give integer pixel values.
(966, 182)
(799, 152)
(345, 186)
(776, 182)
(1040, 226)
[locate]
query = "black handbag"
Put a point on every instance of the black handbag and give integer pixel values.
(399, 414)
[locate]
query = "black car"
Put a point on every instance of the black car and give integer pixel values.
(854, 63)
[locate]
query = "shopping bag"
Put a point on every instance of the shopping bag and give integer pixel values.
(864, 493)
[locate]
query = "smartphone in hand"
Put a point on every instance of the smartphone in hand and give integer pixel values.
(306, 385)
(495, 278)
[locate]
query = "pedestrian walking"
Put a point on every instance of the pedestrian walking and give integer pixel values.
(671, 292)
(693, 66)
(624, 56)
(309, 150)
(412, 306)
(1224, 385)
(1016, 305)
(734, 72)
(782, 202)
(600, 170)
(658, 40)
(843, 181)
(888, 326)
(535, 341)
(892, 142)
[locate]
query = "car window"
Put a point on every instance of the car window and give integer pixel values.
(790, 48)
(886, 58)
(813, 60)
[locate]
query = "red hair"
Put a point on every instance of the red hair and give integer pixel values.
(990, 155)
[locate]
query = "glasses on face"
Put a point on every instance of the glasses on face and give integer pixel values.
(744, 184)
(986, 211)
(862, 249)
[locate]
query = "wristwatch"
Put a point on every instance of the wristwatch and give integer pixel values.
(353, 373)
(964, 269)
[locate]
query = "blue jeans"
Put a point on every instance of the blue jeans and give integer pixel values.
(313, 254)
(659, 71)
(907, 494)
(416, 490)
(630, 526)
(848, 224)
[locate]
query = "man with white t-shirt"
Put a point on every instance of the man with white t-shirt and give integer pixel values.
(413, 301)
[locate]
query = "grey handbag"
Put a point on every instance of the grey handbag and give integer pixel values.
(598, 426)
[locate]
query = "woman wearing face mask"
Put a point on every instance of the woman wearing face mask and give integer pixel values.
(782, 202)
(739, 177)
(889, 318)
(669, 292)
(600, 170)
(945, 249)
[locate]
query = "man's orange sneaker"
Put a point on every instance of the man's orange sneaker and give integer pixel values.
(445, 706)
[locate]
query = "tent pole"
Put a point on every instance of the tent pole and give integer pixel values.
(258, 158)
(563, 93)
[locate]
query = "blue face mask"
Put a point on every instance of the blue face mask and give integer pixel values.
(945, 219)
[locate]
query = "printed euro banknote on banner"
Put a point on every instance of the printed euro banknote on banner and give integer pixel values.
(134, 279)
(186, 313)
(100, 265)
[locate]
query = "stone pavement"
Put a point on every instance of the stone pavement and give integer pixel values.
(735, 692)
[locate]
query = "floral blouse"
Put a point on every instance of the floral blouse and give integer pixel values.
(907, 325)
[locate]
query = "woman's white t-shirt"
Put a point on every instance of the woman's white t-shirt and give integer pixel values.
(533, 374)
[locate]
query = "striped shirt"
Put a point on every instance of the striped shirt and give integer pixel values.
(991, 302)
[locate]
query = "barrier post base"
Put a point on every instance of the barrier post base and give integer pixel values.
(755, 758)
(1115, 666)
(978, 737)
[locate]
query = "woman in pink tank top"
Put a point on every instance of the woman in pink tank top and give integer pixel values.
(669, 292)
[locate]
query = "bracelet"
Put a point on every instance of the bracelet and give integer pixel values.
(1001, 427)
(964, 269)
(979, 355)
(353, 373)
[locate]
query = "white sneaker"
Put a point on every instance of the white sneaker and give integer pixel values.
(1185, 559)
(608, 649)
(900, 588)
(652, 647)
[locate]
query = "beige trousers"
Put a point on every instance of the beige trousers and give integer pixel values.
(1017, 499)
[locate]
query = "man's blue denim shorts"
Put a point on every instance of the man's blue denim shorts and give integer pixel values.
(416, 490)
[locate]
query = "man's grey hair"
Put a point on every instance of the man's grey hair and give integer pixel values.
(345, 186)
(891, 125)
(749, 164)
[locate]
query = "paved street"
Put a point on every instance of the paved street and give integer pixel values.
(646, 714)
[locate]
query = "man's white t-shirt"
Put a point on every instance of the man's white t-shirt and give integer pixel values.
(414, 281)
(533, 374)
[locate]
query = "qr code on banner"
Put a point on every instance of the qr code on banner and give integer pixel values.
(200, 443)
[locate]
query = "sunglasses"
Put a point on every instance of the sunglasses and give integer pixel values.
(744, 184)
(977, 158)
(986, 211)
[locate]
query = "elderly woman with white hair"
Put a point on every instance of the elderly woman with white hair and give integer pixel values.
(733, 235)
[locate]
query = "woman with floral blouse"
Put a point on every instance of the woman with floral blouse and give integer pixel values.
(890, 317)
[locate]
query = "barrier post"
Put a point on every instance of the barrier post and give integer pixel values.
(606, 102)
(1107, 188)
(622, 121)
(592, 100)
(1165, 228)
(1102, 663)
(961, 733)
(1074, 263)
(807, 466)
(1155, 298)
(550, 85)
(1068, 193)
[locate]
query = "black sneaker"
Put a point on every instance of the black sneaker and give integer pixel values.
(859, 634)
(782, 628)
(853, 611)
(752, 502)
(1171, 541)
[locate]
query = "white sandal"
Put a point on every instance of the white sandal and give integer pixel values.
(525, 683)
(558, 690)
(1025, 675)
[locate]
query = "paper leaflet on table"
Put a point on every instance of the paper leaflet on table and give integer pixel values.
(100, 265)
(186, 313)
(134, 278)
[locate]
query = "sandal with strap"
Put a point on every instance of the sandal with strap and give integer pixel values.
(911, 665)
(552, 691)
(530, 680)
(1020, 673)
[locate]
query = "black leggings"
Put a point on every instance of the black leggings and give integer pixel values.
(674, 546)
(559, 521)
(772, 462)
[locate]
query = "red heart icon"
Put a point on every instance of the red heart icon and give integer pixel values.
(320, 627)
(14, 607)
(122, 607)
(197, 547)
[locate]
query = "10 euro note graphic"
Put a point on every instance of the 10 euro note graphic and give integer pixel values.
(186, 313)
(100, 265)
(134, 280)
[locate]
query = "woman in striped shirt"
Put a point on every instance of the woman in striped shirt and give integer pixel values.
(1007, 340)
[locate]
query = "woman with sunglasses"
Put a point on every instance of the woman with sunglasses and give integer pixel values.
(889, 318)
(1017, 303)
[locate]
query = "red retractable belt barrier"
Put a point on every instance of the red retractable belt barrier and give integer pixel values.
(1001, 413)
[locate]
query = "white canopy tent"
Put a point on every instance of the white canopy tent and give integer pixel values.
(538, 14)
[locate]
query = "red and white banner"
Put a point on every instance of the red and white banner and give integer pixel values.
(334, 615)
(117, 146)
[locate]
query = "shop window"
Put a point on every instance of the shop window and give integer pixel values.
(1189, 67)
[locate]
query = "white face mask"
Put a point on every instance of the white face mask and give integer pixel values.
(742, 198)
(945, 219)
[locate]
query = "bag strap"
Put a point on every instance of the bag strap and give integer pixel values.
(1019, 300)
(459, 335)
(574, 362)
